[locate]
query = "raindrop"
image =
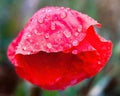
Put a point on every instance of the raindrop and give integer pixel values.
(59, 35)
(31, 40)
(75, 42)
(68, 8)
(97, 54)
(28, 53)
(24, 48)
(16, 64)
(17, 47)
(69, 45)
(75, 52)
(79, 28)
(49, 45)
(99, 62)
(36, 32)
(43, 10)
(40, 20)
(76, 33)
(47, 17)
(58, 79)
(108, 48)
(74, 81)
(104, 48)
(59, 39)
(52, 26)
(28, 35)
(46, 35)
(67, 34)
(48, 10)
(37, 43)
(63, 15)
(62, 7)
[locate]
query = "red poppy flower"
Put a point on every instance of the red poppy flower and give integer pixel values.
(59, 47)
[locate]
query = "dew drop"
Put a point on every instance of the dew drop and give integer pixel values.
(79, 29)
(16, 64)
(37, 43)
(99, 62)
(58, 79)
(24, 48)
(75, 42)
(59, 35)
(16, 47)
(74, 81)
(31, 41)
(40, 20)
(48, 10)
(52, 26)
(36, 32)
(75, 52)
(108, 48)
(62, 8)
(97, 54)
(28, 53)
(28, 35)
(47, 35)
(69, 45)
(43, 10)
(63, 15)
(67, 34)
(49, 45)
(76, 33)
(68, 8)
(47, 17)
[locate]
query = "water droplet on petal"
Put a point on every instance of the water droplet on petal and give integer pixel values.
(68, 8)
(37, 43)
(28, 35)
(63, 15)
(40, 20)
(69, 45)
(97, 53)
(62, 8)
(49, 45)
(24, 48)
(58, 79)
(75, 52)
(99, 62)
(43, 10)
(76, 33)
(75, 42)
(52, 26)
(48, 10)
(16, 47)
(16, 64)
(108, 48)
(47, 35)
(47, 17)
(67, 34)
(36, 32)
(31, 41)
(79, 28)
(28, 53)
(74, 81)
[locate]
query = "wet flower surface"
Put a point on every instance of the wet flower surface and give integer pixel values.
(58, 48)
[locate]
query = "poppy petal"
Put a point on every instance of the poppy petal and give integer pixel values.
(58, 48)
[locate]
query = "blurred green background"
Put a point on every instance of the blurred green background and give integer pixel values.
(13, 16)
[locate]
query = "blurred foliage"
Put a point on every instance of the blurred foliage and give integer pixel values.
(13, 16)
